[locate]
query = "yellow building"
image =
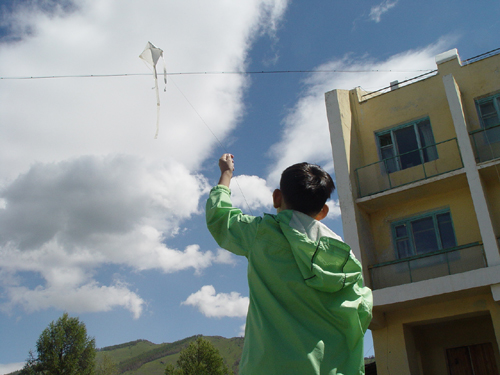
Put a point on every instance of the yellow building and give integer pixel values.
(418, 177)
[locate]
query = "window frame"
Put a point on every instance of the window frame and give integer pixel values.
(496, 104)
(396, 155)
(491, 132)
(411, 248)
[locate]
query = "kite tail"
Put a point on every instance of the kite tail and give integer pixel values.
(157, 104)
(164, 75)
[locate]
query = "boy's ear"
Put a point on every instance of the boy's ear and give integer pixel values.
(322, 214)
(277, 198)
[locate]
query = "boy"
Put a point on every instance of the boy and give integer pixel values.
(308, 308)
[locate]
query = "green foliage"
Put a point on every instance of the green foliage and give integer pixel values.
(199, 358)
(63, 348)
(106, 366)
(171, 370)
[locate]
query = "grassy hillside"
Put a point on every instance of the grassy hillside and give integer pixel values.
(142, 357)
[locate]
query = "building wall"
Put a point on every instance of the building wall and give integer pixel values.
(476, 80)
(416, 322)
(462, 213)
(432, 340)
(415, 339)
(492, 188)
(422, 99)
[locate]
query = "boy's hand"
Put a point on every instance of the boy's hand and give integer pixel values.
(226, 165)
(226, 162)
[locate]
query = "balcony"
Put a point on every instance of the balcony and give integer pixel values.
(374, 178)
(486, 143)
(428, 266)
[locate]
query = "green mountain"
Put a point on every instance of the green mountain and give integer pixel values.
(142, 357)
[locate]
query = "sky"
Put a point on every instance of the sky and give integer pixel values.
(103, 221)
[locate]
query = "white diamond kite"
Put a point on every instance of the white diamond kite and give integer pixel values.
(151, 55)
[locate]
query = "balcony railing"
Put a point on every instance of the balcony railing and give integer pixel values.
(486, 143)
(428, 266)
(375, 178)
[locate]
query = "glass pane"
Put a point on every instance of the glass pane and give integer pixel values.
(385, 140)
(488, 114)
(387, 152)
(403, 247)
(426, 140)
(492, 135)
(389, 159)
(424, 235)
(401, 231)
(407, 141)
(446, 230)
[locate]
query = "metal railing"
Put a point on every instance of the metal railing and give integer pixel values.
(386, 89)
(388, 174)
(486, 143)
(428, 266)
(481, 56)
(400, 84)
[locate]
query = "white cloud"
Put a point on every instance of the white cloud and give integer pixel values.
(334, 212)
(86, 298)
(76, 200)
(377, 11)
(242, 330)
(10, 367)
(63, 220)
(250, 192)
(55, 119)
(225, 257)
(306, 136)
(78, 184)
(219, 305)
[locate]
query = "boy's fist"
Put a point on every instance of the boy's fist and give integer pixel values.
(226, 163)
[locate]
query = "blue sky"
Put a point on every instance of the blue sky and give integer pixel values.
(99, 219)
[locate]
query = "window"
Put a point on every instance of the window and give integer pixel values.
(489, 115)
(489, 110)
(423, 234)
(407, 145)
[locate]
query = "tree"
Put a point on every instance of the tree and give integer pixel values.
(171, 370)
(199, 358)
(106, 366)
(63, 348)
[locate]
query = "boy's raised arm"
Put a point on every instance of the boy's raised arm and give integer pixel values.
(226, 165)
(231, 229)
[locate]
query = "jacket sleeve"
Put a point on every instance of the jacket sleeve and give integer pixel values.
(230, 228)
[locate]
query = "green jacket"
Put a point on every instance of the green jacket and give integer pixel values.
(308, 308)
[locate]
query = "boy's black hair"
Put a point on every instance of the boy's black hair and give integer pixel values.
(306, 187)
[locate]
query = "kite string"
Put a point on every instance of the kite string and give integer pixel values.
(217, 73)
(201, 118)
(218, 141)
